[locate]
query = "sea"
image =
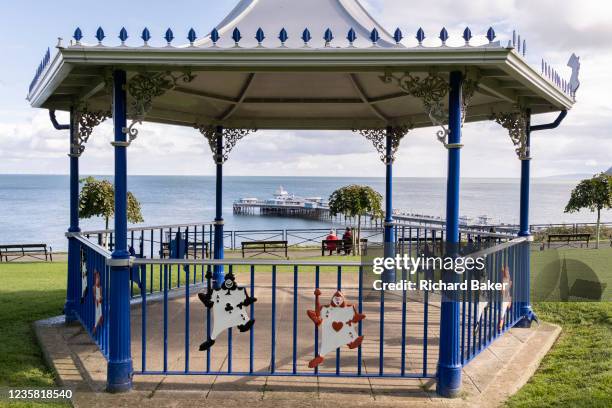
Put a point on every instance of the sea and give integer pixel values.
(34, 208)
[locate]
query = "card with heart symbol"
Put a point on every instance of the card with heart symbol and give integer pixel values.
(338, 323)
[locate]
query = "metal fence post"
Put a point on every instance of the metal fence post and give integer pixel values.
(449, 363)
(119, 372)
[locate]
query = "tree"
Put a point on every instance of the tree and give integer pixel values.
(595, 194)
(356, 201)
(97, 199)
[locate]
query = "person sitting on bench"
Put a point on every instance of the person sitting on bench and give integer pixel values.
(330, 245)
(347, 239)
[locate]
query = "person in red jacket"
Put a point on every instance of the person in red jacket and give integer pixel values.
(331, 245)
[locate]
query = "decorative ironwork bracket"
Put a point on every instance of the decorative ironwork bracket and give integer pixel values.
(378, 137)
(84, 123)
(516, 123)
(431, 90)
(142, 88)
(230, 139)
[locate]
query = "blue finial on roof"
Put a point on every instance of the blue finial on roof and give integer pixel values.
(146, 35)
(519, 44)
(78, 34)
(374, 36)
(420, 36)
(100, 34)
(214, 36)
(398, 36)
(191, 36)
(524, 47)
(328, 37)
(283, 36)
(169, 36)
(514, 38)
(123, 35)
(236, 36)
(491, 34)
(443, 35)
(259, 36)
(351, 36)
(467, 35)
(306, 37)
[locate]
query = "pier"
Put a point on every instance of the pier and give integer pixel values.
(282, 210)
(283, 204)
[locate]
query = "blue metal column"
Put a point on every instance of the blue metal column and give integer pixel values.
(74, 255)
(219, 275)
(119, 372)
(389, 240)
(449, 363)
(524, 301)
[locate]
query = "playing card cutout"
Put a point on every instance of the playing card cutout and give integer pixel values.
(337, 322)
(506, 304)
(506, 296)
(83, 275)
(97, 297)
(229, 309)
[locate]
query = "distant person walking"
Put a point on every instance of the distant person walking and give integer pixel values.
(331, 245)
(347, 239)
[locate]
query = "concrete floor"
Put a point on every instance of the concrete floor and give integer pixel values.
(177, 352)
(487, 381)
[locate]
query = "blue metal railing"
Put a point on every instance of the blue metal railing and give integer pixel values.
(283, 340)
(94, 289)
(157, 241)
(401, 329)
(484, 316)
(161, 242)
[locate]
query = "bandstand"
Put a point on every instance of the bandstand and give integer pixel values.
(280, 64)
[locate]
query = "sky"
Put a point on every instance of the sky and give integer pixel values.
(553, 30)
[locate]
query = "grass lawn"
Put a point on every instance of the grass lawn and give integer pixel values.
(587, 264)
(29, 292)
(576, 373)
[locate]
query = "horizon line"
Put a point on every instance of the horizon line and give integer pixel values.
(293, 176)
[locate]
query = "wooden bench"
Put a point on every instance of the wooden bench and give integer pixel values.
(437, 242)
(17, 251)
(341, 246)
(193, 251)
(419, 239)
(264, 247)
(567, 238)
(334, 245)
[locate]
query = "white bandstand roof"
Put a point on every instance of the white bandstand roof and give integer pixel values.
(274, 85)
(295, 16)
